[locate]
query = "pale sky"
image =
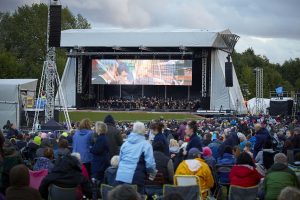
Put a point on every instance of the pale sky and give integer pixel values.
(270, 27)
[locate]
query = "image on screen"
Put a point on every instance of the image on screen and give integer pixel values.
(141, 72)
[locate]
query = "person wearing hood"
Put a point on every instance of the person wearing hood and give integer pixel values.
(278, 177)
(114, 137)
(136, 158)
(195, 165)
(82, 142)
(244, 174)
(19, 185)
(67, 174)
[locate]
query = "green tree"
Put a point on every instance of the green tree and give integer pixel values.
(24, 33)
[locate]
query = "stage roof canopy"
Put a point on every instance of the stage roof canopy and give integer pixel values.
(224, 40)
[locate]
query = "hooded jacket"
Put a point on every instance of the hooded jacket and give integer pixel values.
(278, 177)
(66, 174)
(82, 140)
(136, 159)
(244, 176)
(261, 137)
(199, 168)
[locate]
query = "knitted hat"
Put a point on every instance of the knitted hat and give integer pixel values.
(64, 134)
(207, 151)
(280, 158)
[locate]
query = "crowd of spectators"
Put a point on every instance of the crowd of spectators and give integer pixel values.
(149, 103)
(259, 151)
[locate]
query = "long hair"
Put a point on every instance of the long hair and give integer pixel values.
(84, 124)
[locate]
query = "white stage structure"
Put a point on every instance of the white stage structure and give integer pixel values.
(220, 42)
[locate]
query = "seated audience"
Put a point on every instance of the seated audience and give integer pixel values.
(290, 193)
(10, 158)
(209, 159)
(267, 150)
(244, 174)
(195, 165)
(45, 162)
(226, 159)
(63, 149)
(164, 164)
(278, 177)
(123, 192)
(111, 172)
(66, 174)
(19, 185)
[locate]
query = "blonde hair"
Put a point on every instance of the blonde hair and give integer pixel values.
(115, 161)
(85, 124)
(173, 143)
(100, 127)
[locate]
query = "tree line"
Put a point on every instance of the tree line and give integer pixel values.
(23, 49)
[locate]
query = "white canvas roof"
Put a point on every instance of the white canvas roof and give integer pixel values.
(10, 101)
(147, 38)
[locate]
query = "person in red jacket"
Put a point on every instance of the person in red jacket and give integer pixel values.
(244, 174)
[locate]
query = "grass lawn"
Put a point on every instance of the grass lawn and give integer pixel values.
(126, 116)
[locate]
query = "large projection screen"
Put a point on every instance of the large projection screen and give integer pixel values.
(141, 72)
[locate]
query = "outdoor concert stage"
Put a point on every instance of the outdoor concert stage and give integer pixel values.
(130, 64)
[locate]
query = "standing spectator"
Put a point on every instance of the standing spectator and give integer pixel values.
(12, 132)
(159, 136)
(195, 142)
(136, 158)
(100, 152)
(194, 165)
(262, 135)
(244, 174)
(181, 130)
(19, 185)
(278, 177)
(214, 145)
(82, 142)
(114, 137)
(7, 126)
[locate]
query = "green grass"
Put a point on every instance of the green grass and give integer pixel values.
(127, 116)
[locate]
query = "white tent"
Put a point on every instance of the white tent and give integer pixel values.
(10, 98)
(252, 102)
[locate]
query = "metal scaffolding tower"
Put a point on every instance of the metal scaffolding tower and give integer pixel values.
(259, 102)
(49, 82)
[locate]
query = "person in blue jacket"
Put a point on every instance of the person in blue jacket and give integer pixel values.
(100, 151)
(156, 129)
(226, 159)
(195, 141)
(82, 142)
(136, 159)
(261, 137)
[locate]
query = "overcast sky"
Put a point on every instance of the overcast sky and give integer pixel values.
(270, 27)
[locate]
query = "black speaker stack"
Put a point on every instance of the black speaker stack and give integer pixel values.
(228, 74)
(55, 26)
